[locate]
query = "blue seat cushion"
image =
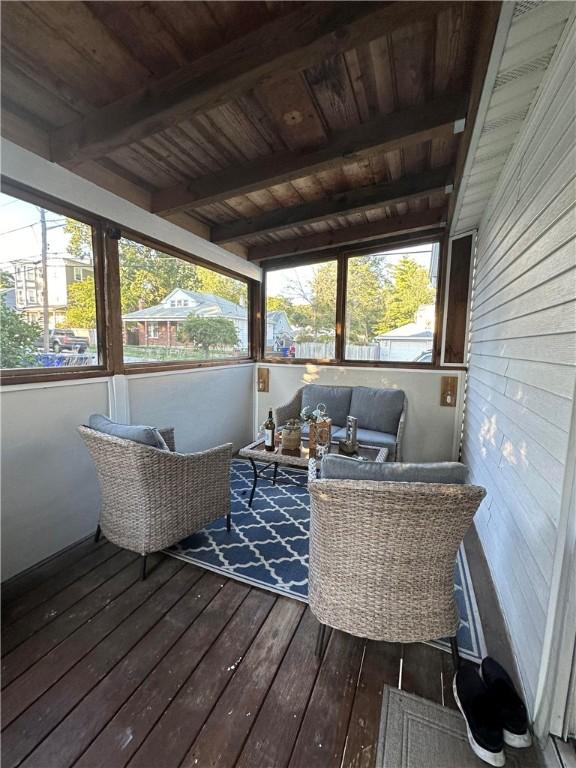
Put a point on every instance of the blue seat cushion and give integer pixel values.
(377, 409)
(336, 399)
(335, 467)
(381, 439)
(136, 433)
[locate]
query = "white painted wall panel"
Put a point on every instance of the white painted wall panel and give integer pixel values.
(50, 496)
(523, 354)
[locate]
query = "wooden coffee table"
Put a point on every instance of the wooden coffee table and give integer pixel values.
(256, 452)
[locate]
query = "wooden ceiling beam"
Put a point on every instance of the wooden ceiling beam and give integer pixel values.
(434, 120)
(344, 203)
(433, 218)
(305, 37)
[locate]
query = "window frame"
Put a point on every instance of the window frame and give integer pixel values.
(31, 375)
(169, 250)
(342, 257)
(105, 236)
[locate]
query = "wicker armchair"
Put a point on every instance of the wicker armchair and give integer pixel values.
(152, 498)
(382, 557)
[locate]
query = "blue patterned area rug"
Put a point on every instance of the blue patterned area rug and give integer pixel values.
(268, 548)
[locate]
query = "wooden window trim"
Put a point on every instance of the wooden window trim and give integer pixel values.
(105, 235)
(342, 258)
(177, 253)
(14, 376)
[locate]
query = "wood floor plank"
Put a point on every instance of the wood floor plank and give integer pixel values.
(421, 668)
(15, 589)
(380, 667)
(27, 731)
(126, 731)
(321, 740)
(169, 741)
(221, 738)
(40, 643)
(51, 667)
(275, 730)
(47, 612)
(54, 585)
(76, 731)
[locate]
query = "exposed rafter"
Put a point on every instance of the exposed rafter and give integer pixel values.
(299, 40)
(396, 225)
(434, 120)
(352, 201)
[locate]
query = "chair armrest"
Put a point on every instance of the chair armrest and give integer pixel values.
(168, 435)
(400, 434)
(290, 410)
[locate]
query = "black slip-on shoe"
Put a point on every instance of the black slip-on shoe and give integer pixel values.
(482, 722)
(513, 714)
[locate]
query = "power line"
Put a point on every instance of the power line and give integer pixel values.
(34, 224)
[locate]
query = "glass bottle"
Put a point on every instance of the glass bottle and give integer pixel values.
(269, 430)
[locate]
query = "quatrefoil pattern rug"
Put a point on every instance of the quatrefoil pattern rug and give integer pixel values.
(268, 547)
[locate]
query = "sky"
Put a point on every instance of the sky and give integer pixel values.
(278, 281)
(20, 232)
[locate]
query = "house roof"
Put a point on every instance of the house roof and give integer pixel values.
(201, 304)
(9, 297)
(410, 330)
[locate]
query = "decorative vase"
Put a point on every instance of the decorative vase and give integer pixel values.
(291, 439)
(320, 435)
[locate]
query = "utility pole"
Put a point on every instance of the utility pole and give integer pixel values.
(45, 312)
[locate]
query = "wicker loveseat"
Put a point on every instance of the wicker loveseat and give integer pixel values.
(382, 556)
(153, 498)
(381, 413)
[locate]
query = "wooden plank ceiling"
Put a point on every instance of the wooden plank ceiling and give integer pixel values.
(278, 127)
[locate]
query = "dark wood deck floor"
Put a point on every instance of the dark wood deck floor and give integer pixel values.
(186, 669)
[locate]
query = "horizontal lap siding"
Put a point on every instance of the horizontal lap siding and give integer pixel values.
(522, 360)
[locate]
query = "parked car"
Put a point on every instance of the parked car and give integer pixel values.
(424, 357)
(64, 339)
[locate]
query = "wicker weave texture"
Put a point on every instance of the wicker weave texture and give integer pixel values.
(151, 498)
(382, 556)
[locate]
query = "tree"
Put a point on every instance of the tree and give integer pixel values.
(411, 288)
(6, 279)
(221, 285)
(17, 337)
(207, 332)
(366, 286)
(81, 309)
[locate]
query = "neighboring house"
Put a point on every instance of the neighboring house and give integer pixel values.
(8, 296)
(159, 324)
(279, 332)
(28, 284)
(409, 341)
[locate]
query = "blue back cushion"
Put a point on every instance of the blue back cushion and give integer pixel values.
(377, 409)
(138, 434)
(336, 400)
(336, 467)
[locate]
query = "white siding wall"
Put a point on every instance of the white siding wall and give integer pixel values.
(523, 355)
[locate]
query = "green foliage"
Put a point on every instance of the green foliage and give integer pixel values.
(6, 279)
(148, 275)
(207, 332)
(378, 298)
(17, 337)
(410, 290)
(81, 309)
(220, 285)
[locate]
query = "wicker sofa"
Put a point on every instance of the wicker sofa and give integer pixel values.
(153, 498)
(381, 413)
(382, 553)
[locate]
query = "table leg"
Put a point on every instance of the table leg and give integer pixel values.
(255, 470)
(275, 473)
